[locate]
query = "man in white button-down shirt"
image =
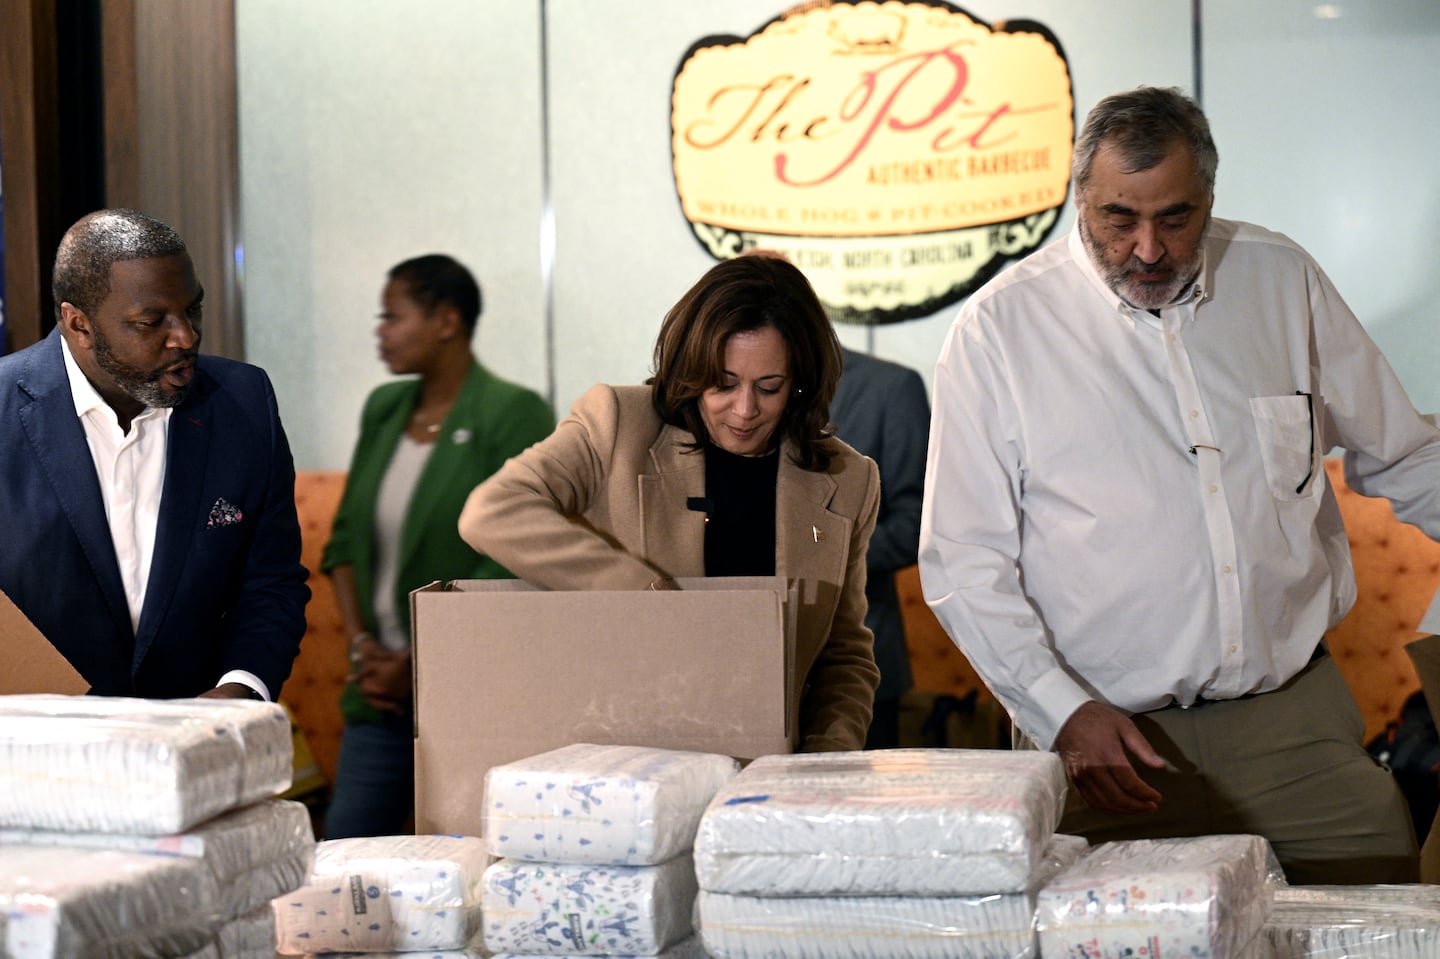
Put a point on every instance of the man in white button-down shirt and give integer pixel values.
(1127, 526)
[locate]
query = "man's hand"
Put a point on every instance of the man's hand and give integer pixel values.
(382, 676)
(1095, 744)
(229, 691)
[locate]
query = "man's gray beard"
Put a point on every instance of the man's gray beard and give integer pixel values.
(1146, 296)
(140, 386)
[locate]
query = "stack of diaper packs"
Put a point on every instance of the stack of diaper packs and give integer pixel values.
(594, 845)
(1206, 897)
(386, 894)
(1354, 922)
(140, 828)
(910, 852)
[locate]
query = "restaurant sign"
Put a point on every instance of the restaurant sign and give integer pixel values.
(899, 153)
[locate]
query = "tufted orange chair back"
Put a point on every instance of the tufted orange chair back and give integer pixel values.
(313, 690)
(1397, 571)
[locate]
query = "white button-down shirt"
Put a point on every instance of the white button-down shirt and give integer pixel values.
(1132, 508)
(131, 470)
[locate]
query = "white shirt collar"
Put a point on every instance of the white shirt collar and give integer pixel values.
(82, 391)
(1195, 292)
(87, 399)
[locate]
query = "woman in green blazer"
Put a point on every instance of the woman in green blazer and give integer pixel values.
(424, 444)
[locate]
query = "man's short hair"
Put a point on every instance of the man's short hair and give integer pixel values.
(1143, 124)
(97, 240)
(435, 280)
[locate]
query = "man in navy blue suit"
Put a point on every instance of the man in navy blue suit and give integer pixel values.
(148, 492)
(882, 410)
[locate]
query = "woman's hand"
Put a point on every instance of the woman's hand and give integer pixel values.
(383, 677)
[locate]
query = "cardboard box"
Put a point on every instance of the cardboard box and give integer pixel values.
(504, 671)
(32, 665)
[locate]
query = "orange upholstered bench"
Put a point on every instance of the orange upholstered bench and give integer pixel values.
(313, 690)
(1397, 570)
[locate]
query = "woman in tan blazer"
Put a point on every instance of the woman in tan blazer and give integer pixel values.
(723, 464)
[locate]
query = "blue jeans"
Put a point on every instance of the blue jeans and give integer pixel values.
(374, 793)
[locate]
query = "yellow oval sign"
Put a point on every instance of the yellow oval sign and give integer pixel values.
(897, 152)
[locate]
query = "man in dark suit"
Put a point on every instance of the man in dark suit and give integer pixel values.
(882, 410)
(148, 492)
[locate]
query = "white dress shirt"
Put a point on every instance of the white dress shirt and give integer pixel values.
(1133, 508)
(131, 470)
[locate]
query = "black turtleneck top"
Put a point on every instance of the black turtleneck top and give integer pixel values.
(740, 524)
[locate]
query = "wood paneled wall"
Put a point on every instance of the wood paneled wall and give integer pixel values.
(172, 141)
(29, 147)
(171, 144)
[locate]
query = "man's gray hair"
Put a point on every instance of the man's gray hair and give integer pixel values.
(82, 263)
(1143, 124)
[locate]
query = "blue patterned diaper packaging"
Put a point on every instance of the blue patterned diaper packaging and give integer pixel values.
(688, 948)
(1206, 897)
(397, 893)
(618, 805)
(542, 908)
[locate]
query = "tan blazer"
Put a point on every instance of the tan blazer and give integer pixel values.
(601, 504)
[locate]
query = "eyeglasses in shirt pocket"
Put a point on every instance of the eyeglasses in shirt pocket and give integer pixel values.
(1285, 427)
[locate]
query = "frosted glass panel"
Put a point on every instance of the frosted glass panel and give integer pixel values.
(1328, 125)
(372, 131)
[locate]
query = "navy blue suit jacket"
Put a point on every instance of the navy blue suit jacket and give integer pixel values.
(882, 410)
(226, 588)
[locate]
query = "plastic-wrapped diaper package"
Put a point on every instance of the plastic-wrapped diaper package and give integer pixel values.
(475, 950)
(152, 767)
(1202, 898)
(617, 805)
(688, 948)
(391, 893)
(251, 936)
(897, 822)
(254, 853)
(1354, 922)
(472, 952)
(684, 949)
(881, 927)
(579, 908)
(64, 903)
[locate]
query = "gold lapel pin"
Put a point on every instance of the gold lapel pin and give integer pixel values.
(815, 531)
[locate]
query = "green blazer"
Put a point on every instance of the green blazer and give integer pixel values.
(491, 421)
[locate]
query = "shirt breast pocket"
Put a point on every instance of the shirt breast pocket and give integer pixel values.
(1286, 430)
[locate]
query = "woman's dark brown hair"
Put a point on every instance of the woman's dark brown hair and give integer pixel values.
(739, 295)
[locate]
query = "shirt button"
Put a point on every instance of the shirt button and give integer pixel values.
(1194, 414)
(1214, 488)
(1226, 569)
(1232, 648)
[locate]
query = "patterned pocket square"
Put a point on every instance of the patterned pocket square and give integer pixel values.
(223, 513)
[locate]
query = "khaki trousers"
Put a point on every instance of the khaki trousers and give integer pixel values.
(1289, 765)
